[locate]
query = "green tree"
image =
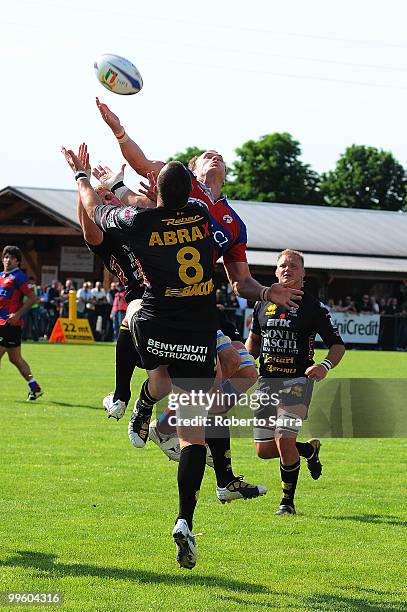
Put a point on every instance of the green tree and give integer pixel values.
(366, 177)
(269, 170)
(185, 156)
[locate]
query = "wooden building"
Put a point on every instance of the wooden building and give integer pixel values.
(346, 250)
(43, 223)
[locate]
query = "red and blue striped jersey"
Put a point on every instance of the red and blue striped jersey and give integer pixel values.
(13, 286)
(228, 229)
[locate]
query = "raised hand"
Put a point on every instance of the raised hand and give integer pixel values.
(149, 189)
(284, 295)
(83, 157)
(72, 160)
(108, 177)
(109, 117)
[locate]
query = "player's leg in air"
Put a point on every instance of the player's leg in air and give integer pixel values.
(281, 441)
(127, 360)
(239, 375)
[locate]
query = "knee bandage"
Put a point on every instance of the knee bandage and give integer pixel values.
(246, 359)
(222, 341)
(288, 422)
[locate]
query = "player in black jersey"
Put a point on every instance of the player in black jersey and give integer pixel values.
(175, 246)
(284, 341)
(122, 263)
(236, 364)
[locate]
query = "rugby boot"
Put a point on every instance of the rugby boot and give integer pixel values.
(34, 393)
(313, 463)
(239, 489)
(284, 509)
(138, 424)
(187, 551)
(115, 409)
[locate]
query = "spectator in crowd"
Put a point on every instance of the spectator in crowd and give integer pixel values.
(101, 305)
(52, 303)
(111, 293)
(338, 307)
(84, 300)
(221, 299)
(109, 323)
(349, 305)
(65, 297)
(382, 306)
(375, 304)
(31, 327)
(393, 307)
(365, 305)
(118, 310)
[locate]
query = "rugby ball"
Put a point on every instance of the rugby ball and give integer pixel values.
(118, 74)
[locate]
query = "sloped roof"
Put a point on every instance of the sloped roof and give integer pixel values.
(323, 229)
(58, 203)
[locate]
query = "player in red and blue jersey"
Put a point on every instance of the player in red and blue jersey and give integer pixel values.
(14, 285)
(208, 176)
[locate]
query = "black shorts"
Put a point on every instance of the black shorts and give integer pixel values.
(276, 395)
(190, 356)
(10, 336)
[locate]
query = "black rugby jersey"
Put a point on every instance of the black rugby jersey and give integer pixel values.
(121, 262)
(175, 250)
(288, 336)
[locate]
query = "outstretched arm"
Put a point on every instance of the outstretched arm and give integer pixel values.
(89, 198)
(244, 284)
(114, 182)
(91, 233)
(130, 150)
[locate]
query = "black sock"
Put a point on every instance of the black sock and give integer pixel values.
(127, 358)
(289, 478)
(218, 439)
(145, 402)
(191, 469)
(305, 449)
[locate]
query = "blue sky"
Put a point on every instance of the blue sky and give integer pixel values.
(216, 73)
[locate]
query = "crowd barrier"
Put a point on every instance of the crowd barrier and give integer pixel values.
(387, 332)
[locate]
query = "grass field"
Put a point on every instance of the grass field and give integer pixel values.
(86, 514)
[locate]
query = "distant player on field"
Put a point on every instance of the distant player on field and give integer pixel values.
(14, 285)
(284, 340)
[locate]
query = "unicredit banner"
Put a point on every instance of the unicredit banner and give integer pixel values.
(356, 328)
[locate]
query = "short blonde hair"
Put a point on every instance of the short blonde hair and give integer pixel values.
(193, 160)
(291, 252)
